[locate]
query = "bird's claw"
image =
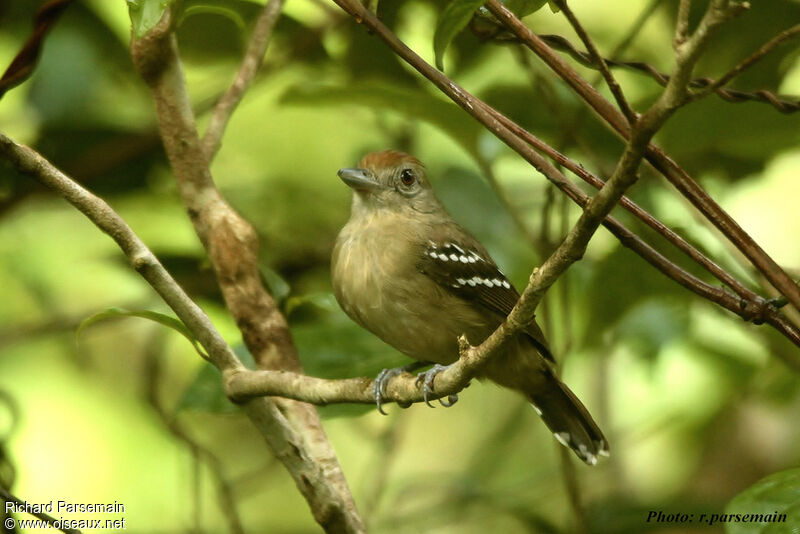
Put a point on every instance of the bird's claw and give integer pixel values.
(382, 380)
(426, 378)
(379, 386)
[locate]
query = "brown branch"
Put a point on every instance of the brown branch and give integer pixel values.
(785, 104)
(232, 246)
(254, 56)
(598, 61)
(677, 176)
(24, 63)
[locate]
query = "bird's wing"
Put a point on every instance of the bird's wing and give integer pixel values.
(463, 267)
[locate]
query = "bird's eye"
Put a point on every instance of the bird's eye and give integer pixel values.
(407, 177)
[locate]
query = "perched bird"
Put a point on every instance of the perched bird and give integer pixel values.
(406, 271)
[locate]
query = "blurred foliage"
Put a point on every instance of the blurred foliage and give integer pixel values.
(774, 496)
(696, 403)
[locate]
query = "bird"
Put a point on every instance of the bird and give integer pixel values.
(405, 270)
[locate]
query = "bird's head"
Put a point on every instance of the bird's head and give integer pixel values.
(390, 180)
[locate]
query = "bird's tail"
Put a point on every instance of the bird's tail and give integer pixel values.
(568, 419)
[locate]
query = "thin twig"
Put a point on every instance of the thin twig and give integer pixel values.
(599, 62)
(254, 56)
(682, 23)
(784, 104)
(749, 61)
(24, 63)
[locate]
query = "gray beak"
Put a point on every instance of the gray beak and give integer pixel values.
(359, 179)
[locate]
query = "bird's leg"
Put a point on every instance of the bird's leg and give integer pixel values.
(426, 379)
(381, 381)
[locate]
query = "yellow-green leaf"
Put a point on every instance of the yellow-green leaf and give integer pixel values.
(160, 318)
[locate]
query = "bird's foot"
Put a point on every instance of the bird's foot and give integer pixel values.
(426, 378)
(382, 380)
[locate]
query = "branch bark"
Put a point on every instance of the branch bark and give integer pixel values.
(232, 246)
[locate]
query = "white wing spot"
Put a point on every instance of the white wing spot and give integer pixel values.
(461, 281)
(453, 257)
(463, 259)
(461, 250)
(562, 438)
(497, 282)
(442, 257)
(506, 285)
(538, 411)
(471, 259)
(432, 254)
(471, 282)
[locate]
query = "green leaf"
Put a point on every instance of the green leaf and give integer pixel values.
(523, 8)
(145, 14)
(453, 19)
(458, 13)
(235, 10)
(414, 102)
(775, 497)
(160, 318)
